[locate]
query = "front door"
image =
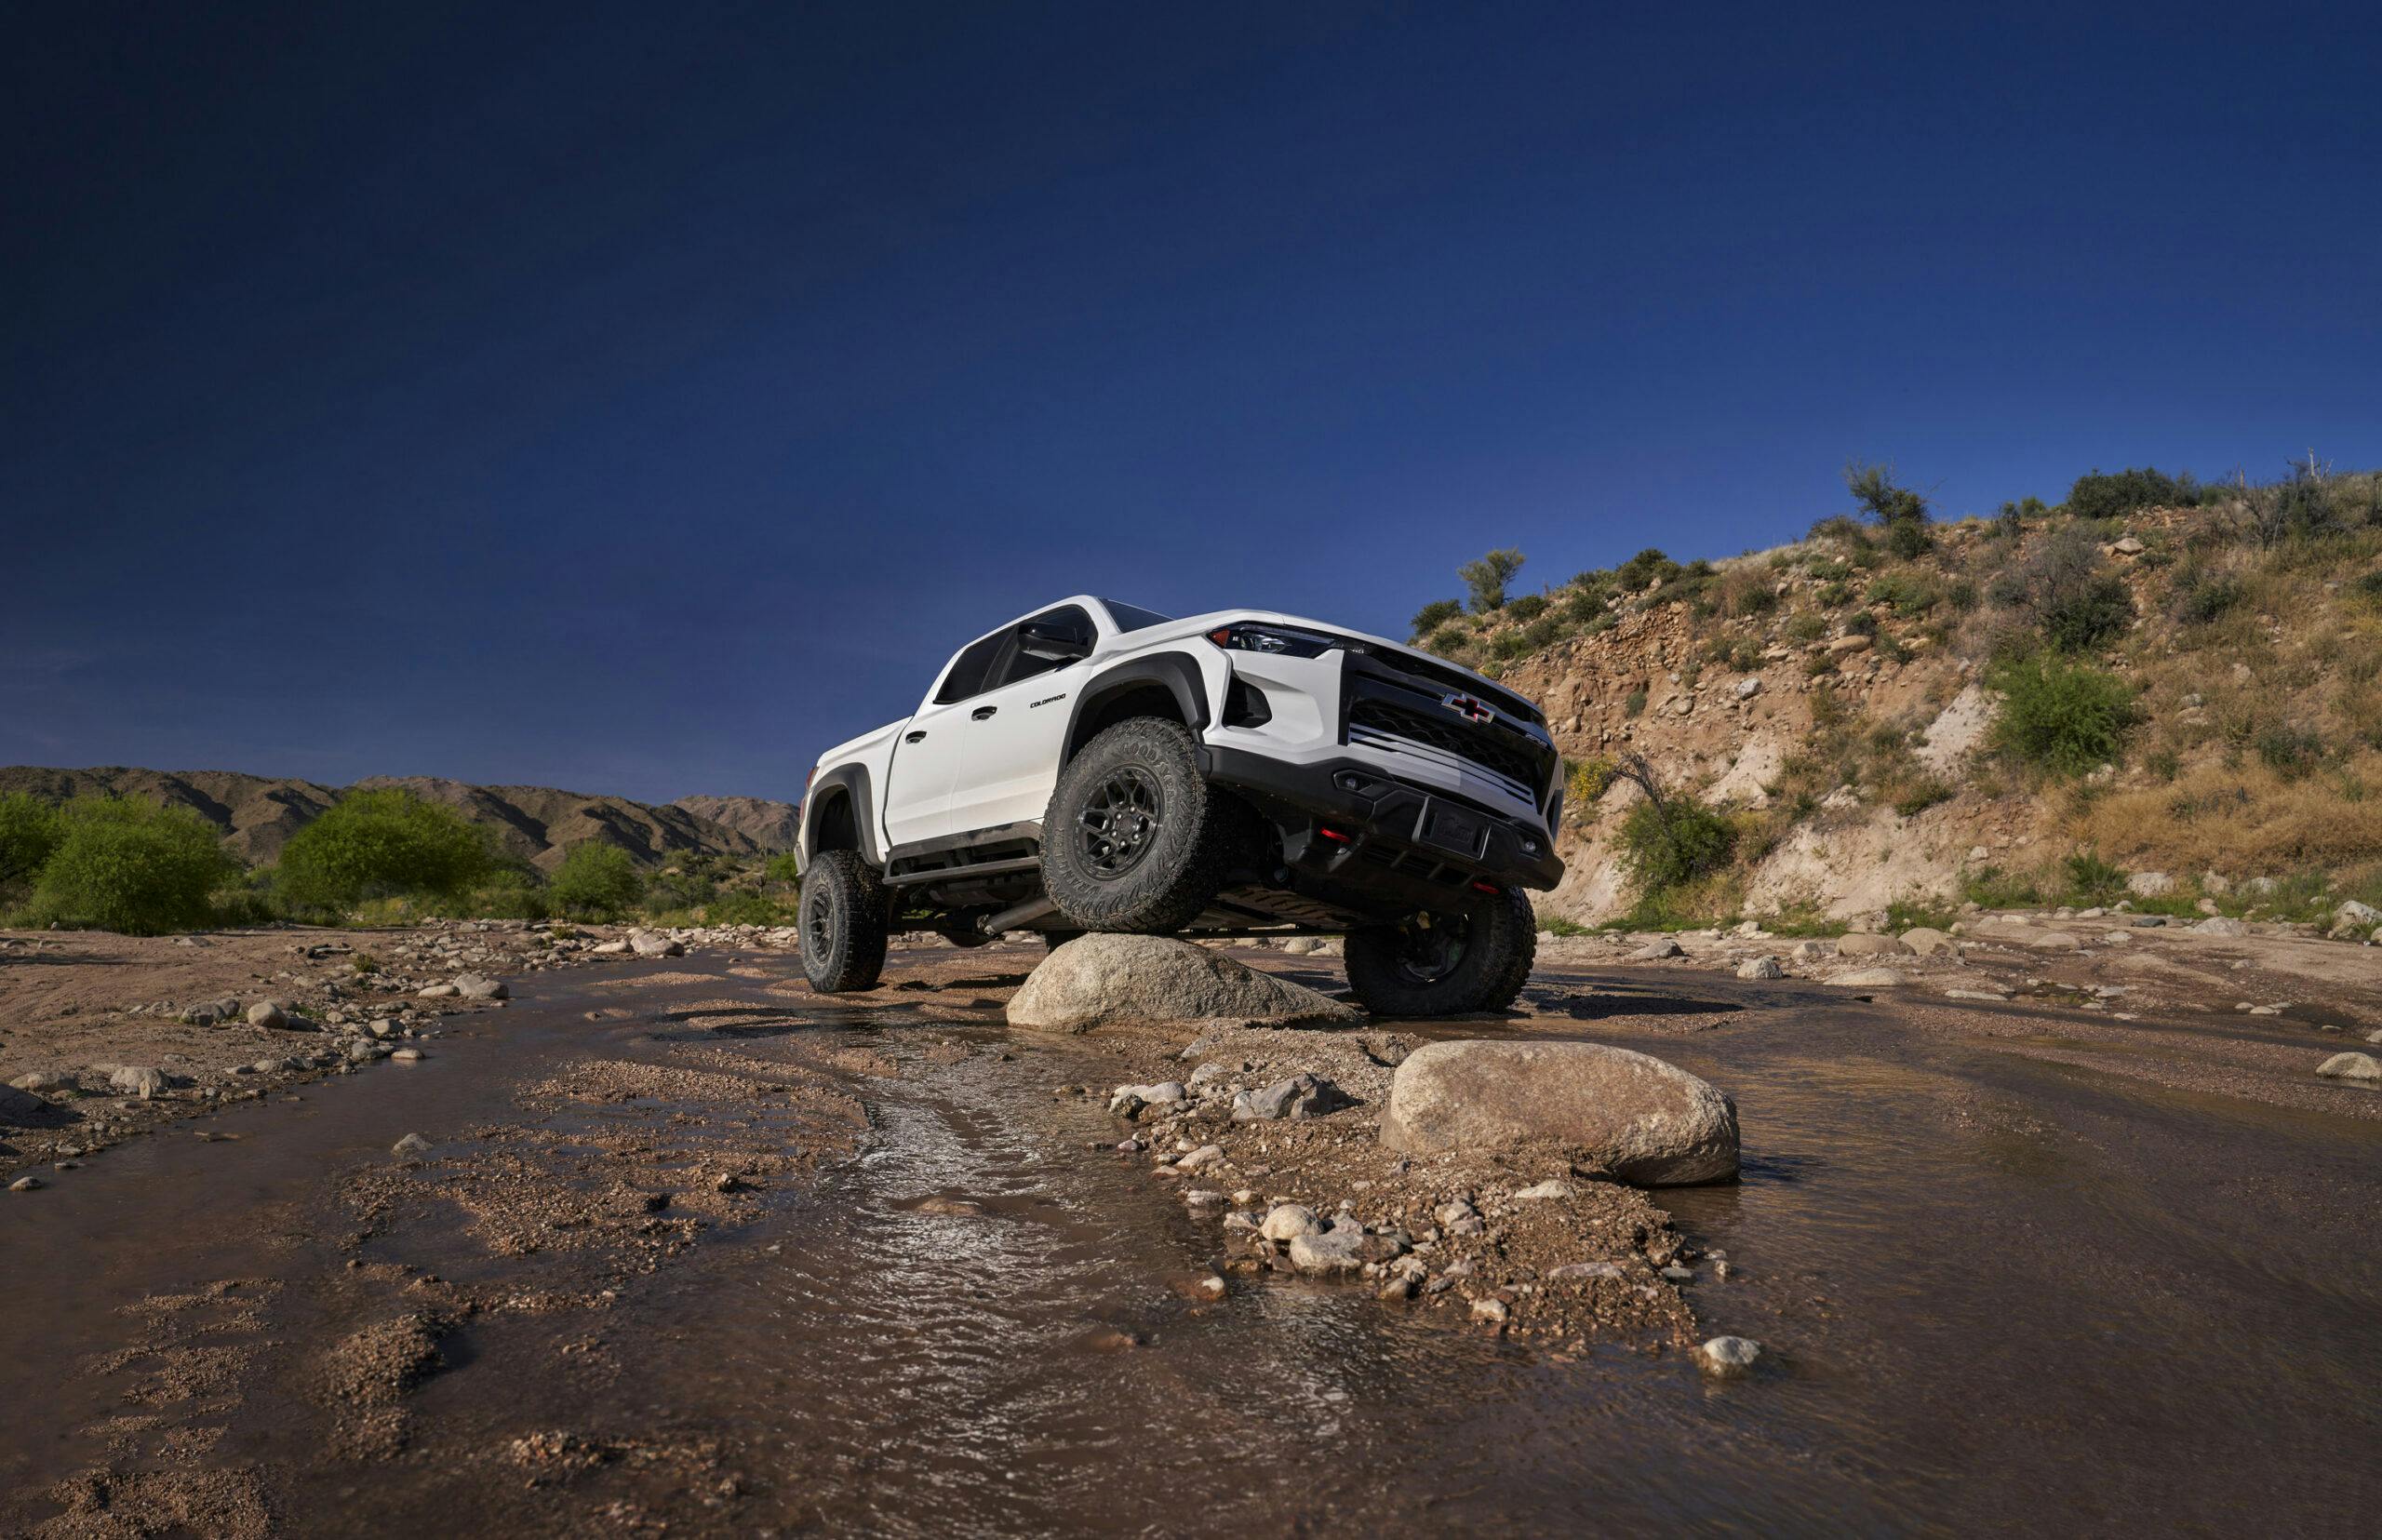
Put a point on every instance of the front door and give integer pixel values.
(1011, 735)
(927, 752)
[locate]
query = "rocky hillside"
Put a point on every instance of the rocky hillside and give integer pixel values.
(1844, 704)
(772, 826)
(258, 814)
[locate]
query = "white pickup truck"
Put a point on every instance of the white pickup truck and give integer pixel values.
(1097, 767)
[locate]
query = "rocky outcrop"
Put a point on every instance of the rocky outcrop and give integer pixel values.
(772, 826)
(1642, 1120)
(1107, 980)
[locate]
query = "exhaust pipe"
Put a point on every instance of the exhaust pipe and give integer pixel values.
(1015, 916)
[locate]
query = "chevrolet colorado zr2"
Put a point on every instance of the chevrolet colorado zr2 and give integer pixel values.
(1096, 766)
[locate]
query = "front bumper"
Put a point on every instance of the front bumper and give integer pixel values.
(1397, 834)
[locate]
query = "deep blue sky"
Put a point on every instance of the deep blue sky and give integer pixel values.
(641, 399)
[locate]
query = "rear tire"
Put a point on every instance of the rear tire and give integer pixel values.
(1133, 839)
(1455, 965)
(844, 918)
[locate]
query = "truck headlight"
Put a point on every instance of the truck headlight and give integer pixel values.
(1274, 641)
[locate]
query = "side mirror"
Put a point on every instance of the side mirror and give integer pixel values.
(1052, 642)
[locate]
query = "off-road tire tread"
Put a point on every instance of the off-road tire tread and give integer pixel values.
(1173, 883)
(1489, 978)
(856, 960)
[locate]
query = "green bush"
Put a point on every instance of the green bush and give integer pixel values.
(1434, 615)
(2290, 750)
(133, 867)
(1649, 565)
(376, 844)
(743, 908)
(2093, 881)
(1485, 580)
(1991, 888)
(28, 832)
(595, 881)
(2067, 592)
(2099, 495)
(1670, 847)
(2063, 716)
(1529, 608)
(1447, 639)
(2201, 598)
(785, 867)
(1902, 511)
(1633, 704)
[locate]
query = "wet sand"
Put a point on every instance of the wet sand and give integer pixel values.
(732, 1258)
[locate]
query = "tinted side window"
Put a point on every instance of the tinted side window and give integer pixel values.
(1021, 665)
(970, 675)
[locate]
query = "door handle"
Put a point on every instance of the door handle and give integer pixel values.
(981, 713)
(913, 737)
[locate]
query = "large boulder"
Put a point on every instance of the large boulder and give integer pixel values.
(1644, 1121)
(1104, 980)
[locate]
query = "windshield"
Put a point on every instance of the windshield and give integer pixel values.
(1132, 617)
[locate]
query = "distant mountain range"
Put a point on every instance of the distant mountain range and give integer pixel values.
(258, 814)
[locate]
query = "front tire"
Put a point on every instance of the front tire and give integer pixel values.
(1445, 965)
(844, 916)
(1133, 838)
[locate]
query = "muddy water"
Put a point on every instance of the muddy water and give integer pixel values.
(1996, 1293)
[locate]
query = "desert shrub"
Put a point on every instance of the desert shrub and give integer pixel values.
(1909, 594)
(1753, 598)
(596, 880)
(1434, 615)
(1542, 633)
(2093, 880)
(2098, 494)
(1806, 627)
(2069, 593)
(2202, 597)
(1668, 846)
(784, 866)
(1588, 781)
(372, 844)
(1584, 607)
(743, 906)
(2063, 717)
(509, 895)
(1921, 795)
(1649, 565)
(1447, 639)
(1835, 596)
(28, 832)
(2289, 749)
(1527, 609)
(1991, 888)
(130, 865)
(1900, 511)
(1556, 925)
(2311, 503)
(1634, 703)
(1485, 580)
(1861, 623)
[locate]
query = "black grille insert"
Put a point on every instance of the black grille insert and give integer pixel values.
(1481, 745)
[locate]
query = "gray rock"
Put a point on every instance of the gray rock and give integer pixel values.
(1286, 1222)
(47, 1079)
(137, 1081)
(2363, 1069)
(1102, 980)
(1869, 978)
(1332, 1250)
(1584, 1272)
(1301, 1097)
(268, 1015)
(653, 944)
(22, 1106)
(407, 1056)
(1130, 1101)
(2150, 885)
(1645, 1121)
(2355, 913)
(1926, 941)
(1860, 943)
(1548, 1188)
(1748, 687)
(412, 1145)
(25, 1184)
(1726, 1358)
(1762, 968)
(1655, 951)
(478, 986)
(2221, 925)
(438, 992)
(1977, 994)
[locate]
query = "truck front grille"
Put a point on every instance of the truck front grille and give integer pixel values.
(1385, 725)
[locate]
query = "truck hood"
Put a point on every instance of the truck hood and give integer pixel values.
(1198, 626)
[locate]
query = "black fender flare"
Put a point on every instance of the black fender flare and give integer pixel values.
(1175, 671)
(851, 780)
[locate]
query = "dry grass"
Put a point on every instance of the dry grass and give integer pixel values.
(2244, 819)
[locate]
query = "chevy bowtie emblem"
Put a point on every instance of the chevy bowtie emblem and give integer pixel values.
(1468, 708)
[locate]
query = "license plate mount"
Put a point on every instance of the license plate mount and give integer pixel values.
(1446, 828)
